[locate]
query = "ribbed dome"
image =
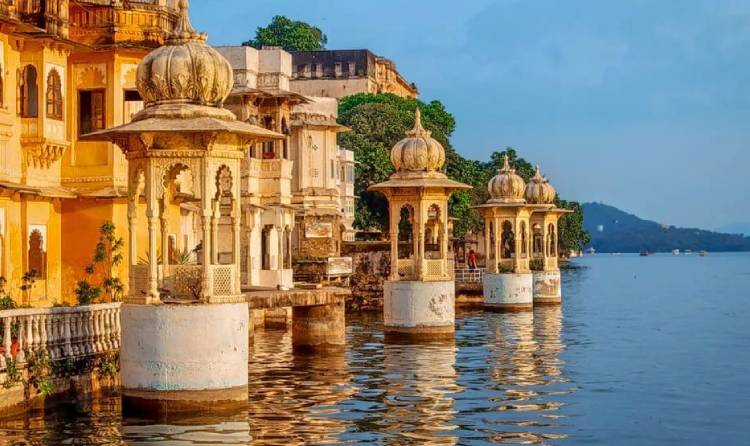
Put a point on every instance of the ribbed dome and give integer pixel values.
(186, 70)
(539, 191)
(507, 186)
(418, 152)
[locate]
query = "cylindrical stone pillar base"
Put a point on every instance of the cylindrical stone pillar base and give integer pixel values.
(547, 289)
(420, 310)
(319, 327)
(508, 292)
(184, 358)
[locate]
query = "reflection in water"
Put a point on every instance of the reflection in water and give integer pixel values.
(419, 383)
(500, 381)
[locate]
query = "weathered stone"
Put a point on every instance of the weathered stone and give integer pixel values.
(508, 292)
(319, 327)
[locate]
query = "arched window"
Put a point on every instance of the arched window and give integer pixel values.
(537, 247)
(265, 247)
(28, 93)
(54, 96)
(37, 254)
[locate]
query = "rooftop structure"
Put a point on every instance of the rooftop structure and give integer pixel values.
(339, 73)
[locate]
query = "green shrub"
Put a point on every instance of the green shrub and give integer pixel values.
(536, 265)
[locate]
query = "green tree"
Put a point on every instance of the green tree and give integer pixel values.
(292, 35)
(379, 121)
(570, 228)
(107, 257)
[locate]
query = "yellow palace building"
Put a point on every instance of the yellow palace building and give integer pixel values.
(67, 68)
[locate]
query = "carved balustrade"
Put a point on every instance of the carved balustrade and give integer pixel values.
(63, 332)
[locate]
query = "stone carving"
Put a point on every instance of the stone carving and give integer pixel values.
(319, 230)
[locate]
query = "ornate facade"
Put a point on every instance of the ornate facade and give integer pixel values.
(65, 70)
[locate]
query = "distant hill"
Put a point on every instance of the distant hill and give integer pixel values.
(736, 228)
(613, 230)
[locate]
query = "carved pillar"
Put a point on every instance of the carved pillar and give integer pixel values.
(132, 232)
(152, 212)
(395, 217)
(496, 227)
(216, 215)
(517, 238)
(444, 242)
(236, 257)
(487, 236)
(280, 253)
(206, 255)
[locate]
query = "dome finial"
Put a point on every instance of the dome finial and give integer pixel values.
(418, 129)
(506, 165)
(183, 30)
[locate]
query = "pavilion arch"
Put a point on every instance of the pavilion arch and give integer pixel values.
(406, 231)
(436, 225)
(507, 240)
(537, 240)
(552, 248)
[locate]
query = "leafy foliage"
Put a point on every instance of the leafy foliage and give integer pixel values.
(379, 121)
(292, 35)
(107, 257)
(38, 372)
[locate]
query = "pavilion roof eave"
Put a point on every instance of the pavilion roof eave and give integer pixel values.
(406, 183)
(184, 125)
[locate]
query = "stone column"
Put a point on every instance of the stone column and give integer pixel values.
(152, 212)
(319, 327)
(236, 258)
(394, 247)
(497, 256)
(517, 245)
(206, 255)
(164, 240)
(132, 231)
(216, 215)
(487, 235)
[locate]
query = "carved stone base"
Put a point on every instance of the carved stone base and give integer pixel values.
(185, 353)
(419, 309)
(547, 288)
(508, 292)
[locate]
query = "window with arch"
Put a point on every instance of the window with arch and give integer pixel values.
(28, 92)
(37, 260)
(434, 241)
(54, 96)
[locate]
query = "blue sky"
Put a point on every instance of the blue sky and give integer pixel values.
(641, 104)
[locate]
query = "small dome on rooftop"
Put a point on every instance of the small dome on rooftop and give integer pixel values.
(539, 191)
(507, 186)
(185, 70)
(419, 151)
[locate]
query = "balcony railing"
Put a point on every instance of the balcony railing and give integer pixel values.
(61, 332)
(467, 275)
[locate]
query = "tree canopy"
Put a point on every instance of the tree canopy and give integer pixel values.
(291, 35)
(379, 121)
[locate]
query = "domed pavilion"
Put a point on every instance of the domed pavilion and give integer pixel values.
(184, 151)
(520, 234)
(419, 294)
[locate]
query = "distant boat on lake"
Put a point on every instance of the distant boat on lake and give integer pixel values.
(645, 253)
(702, 253)
(675, 252)
(688, 252)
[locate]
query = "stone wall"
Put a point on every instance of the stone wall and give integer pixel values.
(371, 265)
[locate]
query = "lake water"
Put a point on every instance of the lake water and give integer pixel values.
(644, 351)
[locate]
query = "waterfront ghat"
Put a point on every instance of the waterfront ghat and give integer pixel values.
(642, 351)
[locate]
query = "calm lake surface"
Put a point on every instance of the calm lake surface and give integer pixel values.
(644, 351)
